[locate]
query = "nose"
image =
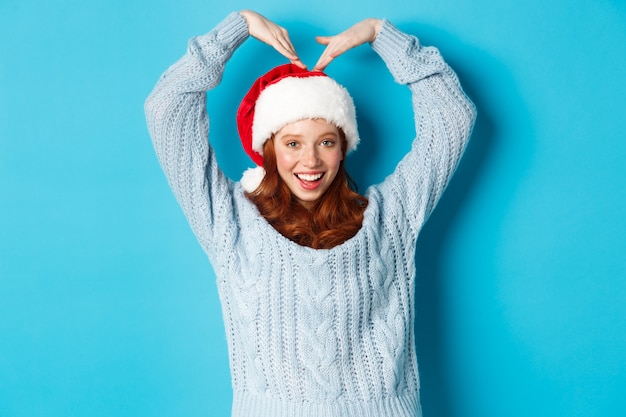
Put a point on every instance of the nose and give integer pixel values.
(310, 158)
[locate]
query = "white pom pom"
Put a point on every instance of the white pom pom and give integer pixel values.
(251, 178)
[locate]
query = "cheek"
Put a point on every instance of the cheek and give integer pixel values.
(284, 162)
(335, 159)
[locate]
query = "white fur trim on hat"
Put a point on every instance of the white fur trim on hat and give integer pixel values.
(251, 178)
(296, 98)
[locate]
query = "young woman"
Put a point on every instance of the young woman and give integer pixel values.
(316, 282)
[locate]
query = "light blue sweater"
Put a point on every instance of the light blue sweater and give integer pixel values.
(324, 333)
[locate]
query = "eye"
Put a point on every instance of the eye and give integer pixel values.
(291, 144)
(328, 142)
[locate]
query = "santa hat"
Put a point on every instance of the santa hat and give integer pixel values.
(285, 95)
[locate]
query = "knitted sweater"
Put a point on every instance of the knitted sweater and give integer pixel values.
(324, 333)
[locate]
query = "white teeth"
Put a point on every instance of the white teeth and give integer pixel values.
(309, 177)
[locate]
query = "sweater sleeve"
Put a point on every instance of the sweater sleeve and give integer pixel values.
(444, 117)
(178, 124)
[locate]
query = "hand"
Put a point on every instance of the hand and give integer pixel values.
(270, 33)
(362, 32)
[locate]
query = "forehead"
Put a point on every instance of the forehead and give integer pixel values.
(307, 127)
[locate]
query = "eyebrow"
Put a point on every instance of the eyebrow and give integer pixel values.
(296, 136)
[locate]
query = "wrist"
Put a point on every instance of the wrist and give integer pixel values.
(377, 24)
(247, 15)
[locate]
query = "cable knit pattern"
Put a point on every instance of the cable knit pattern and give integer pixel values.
(313, 333)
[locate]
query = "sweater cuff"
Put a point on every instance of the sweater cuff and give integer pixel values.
(389, 40)
(228, 35)
(403, 54)
(232, 31)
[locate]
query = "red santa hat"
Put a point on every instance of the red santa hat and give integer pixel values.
(285, 95)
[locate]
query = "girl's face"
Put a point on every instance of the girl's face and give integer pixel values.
(308, 155)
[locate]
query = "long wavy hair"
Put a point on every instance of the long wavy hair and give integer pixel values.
(334, 218)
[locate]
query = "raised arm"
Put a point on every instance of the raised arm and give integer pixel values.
(444, 118)
(444, 115)
(179, 125)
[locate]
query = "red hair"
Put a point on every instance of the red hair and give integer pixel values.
(334, 218)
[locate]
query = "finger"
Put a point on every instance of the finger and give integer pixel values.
(290, 53)
(283, 50)
(299, 63)
(339, 46)
(294, 59)
(321, 66)
(325, 57)
(331, 52)
(281, 37)
(286, 48)
(323, 61)
(324, 40)
(283, 47)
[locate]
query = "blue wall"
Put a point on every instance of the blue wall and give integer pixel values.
(109, 308)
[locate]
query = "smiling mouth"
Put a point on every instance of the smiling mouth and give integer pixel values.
(310, 177)
(310, 182)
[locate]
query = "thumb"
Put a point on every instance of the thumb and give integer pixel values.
(324, 40)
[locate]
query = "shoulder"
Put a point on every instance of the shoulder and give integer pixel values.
(387, 210)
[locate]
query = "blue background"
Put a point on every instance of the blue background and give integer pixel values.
(108, 307)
